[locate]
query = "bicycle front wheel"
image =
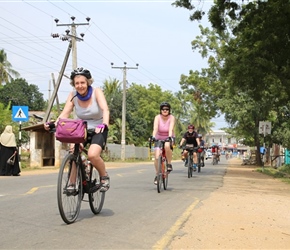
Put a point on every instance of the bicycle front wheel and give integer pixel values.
(165, 175)
(96, 198)
(69, 199)
(198, 162)
(159, 175)
(189, 166)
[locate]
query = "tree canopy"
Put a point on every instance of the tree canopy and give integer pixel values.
(19, 93)
(6, 71)
(247, 50)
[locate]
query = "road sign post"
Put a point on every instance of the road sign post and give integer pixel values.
(20, 114)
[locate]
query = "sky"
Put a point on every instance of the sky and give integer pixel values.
(153, 34)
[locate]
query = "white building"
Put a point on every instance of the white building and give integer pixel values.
(223, 139)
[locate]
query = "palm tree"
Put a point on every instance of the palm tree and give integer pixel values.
(113, 93)
(200, 119)
(110, 87)
(6, 72)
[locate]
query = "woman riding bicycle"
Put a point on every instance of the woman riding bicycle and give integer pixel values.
(162, 130)
(90, 105)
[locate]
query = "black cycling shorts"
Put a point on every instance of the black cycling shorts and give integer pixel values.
(99, 139)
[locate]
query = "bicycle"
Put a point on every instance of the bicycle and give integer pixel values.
(190, 151)
(74, 181)
(162, 176)
(214, 159)
(200, 158)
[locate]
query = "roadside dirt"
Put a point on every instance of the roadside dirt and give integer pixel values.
(250, 211)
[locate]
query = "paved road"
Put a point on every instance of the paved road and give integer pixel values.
(134, 215)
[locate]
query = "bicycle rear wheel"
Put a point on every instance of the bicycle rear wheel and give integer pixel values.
(189, 166)
(165, 175)
(96, 198)
(159, 175)
(69, 201)
(198, 162)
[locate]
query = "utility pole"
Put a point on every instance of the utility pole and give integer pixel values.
(71, 47)
(123, 138)
(73, 37)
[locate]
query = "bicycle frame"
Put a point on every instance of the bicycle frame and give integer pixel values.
(72, 171)
(162, 176)
(190, 150)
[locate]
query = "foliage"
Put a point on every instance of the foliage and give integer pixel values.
(282, 172)
(142, 105)
(247, 51)
(27, 95)
(5, 116)
(6, 71)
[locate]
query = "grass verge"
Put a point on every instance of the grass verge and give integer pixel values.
(282, 173)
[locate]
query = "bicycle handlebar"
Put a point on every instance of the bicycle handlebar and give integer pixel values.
(190, 148)
(151, 139)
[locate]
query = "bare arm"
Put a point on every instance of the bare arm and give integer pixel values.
(103, 105)
(155, 125)
(182, 141)
(68, 107)
(171, 126)
(198, 141)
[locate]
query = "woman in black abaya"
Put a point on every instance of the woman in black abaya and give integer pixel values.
(7, 149)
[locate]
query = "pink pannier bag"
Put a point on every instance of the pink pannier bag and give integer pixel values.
(71, 130)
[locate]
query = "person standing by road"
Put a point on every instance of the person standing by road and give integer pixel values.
(163, 129)
(7, 149)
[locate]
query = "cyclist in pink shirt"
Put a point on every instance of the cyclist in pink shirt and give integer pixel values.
(162, 130)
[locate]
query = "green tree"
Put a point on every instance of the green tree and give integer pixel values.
(6, 71)
(5, 116)
(19, 93)
(113, 93)
(253, 66)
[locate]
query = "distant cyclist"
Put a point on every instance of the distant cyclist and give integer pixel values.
(191, 139)
(215, 152)
(163, 129)
(202, 144)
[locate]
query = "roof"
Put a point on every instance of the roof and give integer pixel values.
(37, 127)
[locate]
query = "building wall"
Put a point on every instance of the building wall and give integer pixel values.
(221, 138)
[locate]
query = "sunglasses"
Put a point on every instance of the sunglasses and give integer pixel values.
(165, 109)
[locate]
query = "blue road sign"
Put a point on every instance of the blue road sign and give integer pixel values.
(20, 113)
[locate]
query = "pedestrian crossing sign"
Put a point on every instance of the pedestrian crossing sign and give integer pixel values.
(20, 113)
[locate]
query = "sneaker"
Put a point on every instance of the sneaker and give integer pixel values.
(169, 168)
(71, 188)
(155, 180)
(105, 183)
(194, 167)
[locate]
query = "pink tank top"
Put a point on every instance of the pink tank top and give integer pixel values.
(163, 129)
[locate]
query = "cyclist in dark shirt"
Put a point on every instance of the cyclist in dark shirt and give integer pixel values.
(191, 139)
